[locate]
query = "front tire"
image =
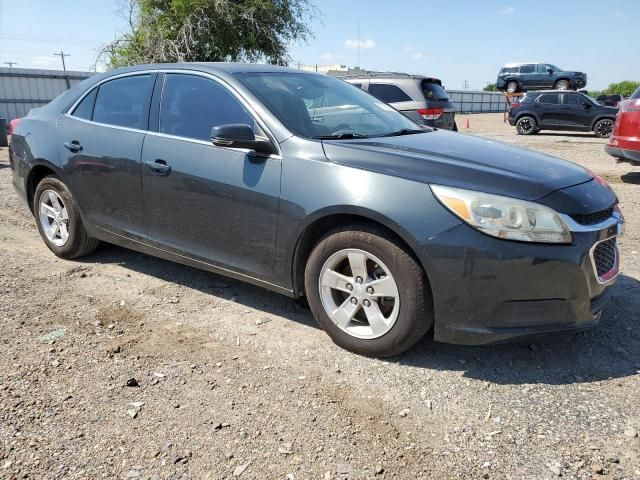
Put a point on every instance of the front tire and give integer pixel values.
(527, 126)
(367, 292)
(58, 219)
(603, 128)
(563, 85)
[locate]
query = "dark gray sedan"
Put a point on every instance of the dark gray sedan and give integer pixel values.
(308, 186)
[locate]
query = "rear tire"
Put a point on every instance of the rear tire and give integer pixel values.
(381, 312)
(603, 128)
(513, 87)
(527, 126)
(58, 218)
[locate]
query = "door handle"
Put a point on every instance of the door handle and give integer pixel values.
(74, 146)
(159, 167)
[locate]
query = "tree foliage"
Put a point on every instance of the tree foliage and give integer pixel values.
(490, 87)
(624, 88)
(161, 31)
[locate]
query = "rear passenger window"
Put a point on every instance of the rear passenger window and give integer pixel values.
(85, 107)
(388, 93)
(549, 98)
(570, 99)
(122, 102)
(191, 106)
(527, 68)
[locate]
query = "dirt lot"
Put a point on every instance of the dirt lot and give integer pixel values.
(228, 380)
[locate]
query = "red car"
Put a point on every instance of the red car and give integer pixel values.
(13, 124)
(624, 142)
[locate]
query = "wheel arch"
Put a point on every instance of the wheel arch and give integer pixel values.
(327, 220)
(40, 169)
(602, 117)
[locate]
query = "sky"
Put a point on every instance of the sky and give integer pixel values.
(457, 41)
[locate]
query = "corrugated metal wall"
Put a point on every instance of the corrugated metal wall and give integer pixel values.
(22, 89)
(476, 101)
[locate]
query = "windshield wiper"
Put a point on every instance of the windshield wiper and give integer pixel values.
(404, 131)
(342, 136)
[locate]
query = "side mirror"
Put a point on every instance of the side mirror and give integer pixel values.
(549, 71)
(586, 104)
(239, 135)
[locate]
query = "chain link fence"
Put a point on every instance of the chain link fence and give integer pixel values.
(476, 101)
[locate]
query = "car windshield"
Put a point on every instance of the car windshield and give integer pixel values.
(317, 106)
(553, 67)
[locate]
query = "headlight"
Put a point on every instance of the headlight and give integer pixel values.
(504, 217)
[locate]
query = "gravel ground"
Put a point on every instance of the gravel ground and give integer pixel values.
(121, 365)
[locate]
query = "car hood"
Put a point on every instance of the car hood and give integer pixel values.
(457, 160)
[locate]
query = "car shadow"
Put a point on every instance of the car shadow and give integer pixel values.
(631, 177)
(610, 350)
(560, 134)
(203, 281)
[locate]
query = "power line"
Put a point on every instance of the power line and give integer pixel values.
(64, 67)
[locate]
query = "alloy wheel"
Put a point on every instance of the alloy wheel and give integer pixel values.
(605, 128)
(525, 126)
(562, 85)
(512, 87)
(359, 294)
(54, 218)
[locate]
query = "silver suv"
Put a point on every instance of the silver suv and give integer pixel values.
(423, 99)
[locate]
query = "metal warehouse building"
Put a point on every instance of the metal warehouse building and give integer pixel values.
(22, 89)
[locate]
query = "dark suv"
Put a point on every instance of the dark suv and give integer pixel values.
(610, 100)
(561, 110)
(520, 77)
(423, 99)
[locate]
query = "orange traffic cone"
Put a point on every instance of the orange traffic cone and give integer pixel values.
(466, 124)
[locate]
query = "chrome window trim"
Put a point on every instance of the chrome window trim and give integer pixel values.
(104, 80)
(210, 76)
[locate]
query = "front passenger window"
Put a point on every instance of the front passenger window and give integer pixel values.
(191, 106)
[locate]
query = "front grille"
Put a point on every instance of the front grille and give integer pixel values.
(605, 257)
(593, 218)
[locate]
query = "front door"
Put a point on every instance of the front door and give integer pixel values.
(217, 205)
(574, 113)
(100, 144)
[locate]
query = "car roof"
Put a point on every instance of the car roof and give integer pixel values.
(389, 75)
(213, 67)
(519, 64)
(539, 92)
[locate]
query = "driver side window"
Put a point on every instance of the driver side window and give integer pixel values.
(192, 105)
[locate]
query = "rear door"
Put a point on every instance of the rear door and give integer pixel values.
(527, 77)
(215, 204)
(100, 142)
(549, 109)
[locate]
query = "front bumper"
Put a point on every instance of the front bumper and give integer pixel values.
(622, 153)
(579, 83)
(488, 290)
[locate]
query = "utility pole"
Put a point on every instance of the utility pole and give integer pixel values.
(64, 67)
(11, 64)
(358, 46)
(465, 86)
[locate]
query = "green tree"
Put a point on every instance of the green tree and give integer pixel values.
(161, 31)
(624, 88)
(490, 87)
